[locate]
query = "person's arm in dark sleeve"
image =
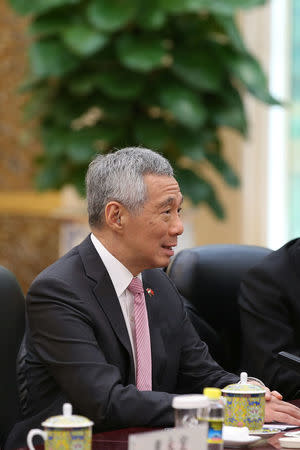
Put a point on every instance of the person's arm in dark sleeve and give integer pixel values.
(266, 320)
(197, 368)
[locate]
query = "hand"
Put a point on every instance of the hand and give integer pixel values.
(280, 411)
(268, 394)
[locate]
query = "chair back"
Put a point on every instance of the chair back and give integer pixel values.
(209, 278)
(12, 325)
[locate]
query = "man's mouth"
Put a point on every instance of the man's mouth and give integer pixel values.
(169, 249)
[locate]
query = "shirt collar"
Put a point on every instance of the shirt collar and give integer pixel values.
(119, 274)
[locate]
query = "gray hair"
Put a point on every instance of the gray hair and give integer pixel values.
(119, 176)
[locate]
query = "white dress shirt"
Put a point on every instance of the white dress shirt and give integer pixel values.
(120, 277)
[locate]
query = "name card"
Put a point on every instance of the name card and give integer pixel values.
(170, 439)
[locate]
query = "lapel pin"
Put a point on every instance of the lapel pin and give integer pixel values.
(150, 292)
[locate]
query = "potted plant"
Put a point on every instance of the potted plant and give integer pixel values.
(165, 74)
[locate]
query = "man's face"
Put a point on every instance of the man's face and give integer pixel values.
(151, 235)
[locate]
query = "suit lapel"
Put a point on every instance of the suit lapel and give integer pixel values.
(105, 293)
(109, 302)
(157, 345)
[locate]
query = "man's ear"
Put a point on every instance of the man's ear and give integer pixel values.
(114, 212)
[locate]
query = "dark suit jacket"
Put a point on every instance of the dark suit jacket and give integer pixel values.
(78, 348)
(270, 315)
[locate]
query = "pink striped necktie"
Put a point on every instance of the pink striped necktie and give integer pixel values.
(142, 337)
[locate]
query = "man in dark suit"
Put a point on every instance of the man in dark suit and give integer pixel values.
(82, 342)
(270, 313)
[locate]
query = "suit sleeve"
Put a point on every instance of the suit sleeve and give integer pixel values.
(197, 367)
(63, 338)
(266, 318)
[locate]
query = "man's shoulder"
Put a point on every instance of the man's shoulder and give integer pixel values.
(283, 256)
(289, 247)
(279, 262)
(158, 275)
(64, 266)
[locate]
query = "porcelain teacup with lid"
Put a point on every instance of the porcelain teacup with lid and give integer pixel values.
(244, 404)
(67, 431)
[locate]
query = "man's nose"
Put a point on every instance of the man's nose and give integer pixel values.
(177, 226)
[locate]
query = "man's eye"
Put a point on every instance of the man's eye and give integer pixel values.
(167, 211)
(179, 210)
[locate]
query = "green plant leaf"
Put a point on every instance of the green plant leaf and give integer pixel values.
(82, 84)
(151, 16)
(119, 111)
(184, 104)
(231, 29)
(151, 133)
(198, 190)
(180, 6)
(224, 169)
(51, 58)
(216, 207)
(69, 108)
(83, 40)
(64, 109)
(190, 143)
(249, 72)
(227, 109)
(68, 111)
(51, 176)
(54, 139)
(30, 84)
(250, 3)
(111, 15)
(50, 23)
(80, 146)
(83, 145)
(120, 83)
(76, 178)
(216, 6)
(197, 68)
(24, 7)
(229, 116)
(140, 53)
(192, 185)
(99, 66)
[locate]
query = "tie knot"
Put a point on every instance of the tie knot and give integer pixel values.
(136, 286)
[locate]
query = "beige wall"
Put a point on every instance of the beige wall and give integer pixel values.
(256, 29)
(208, 229)
(246, 208)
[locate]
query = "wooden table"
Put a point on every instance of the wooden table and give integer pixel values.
(117, 439)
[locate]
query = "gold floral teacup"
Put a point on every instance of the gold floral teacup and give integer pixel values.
(64, 432)
(244, 404)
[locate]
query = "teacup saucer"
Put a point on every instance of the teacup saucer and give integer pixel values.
(265, 431)
(240, 442)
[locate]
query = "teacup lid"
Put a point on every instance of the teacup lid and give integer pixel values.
(243, 387)
(190, 401)
(67, 420)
